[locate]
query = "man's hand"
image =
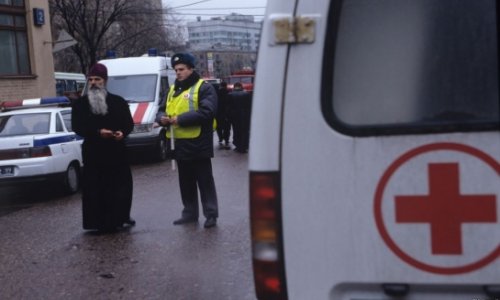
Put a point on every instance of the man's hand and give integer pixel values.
(118, 135)
(109, 134)
(106, 133)
(165, 120)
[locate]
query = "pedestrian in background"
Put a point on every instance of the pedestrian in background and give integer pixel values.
(240, 103)
(223, 123)
(104, 120)
(191, 107)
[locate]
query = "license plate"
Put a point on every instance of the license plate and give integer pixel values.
(6, 171)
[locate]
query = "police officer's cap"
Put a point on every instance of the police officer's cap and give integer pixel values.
(183, 58)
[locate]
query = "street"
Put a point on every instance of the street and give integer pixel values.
(45, 254)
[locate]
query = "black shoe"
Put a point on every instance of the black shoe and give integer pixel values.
(239, 150)
(185, 220)
(130, 222)
(210, 222)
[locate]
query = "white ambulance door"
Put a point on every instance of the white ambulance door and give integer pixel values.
(390, 151)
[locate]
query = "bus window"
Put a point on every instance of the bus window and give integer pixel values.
(69, 84)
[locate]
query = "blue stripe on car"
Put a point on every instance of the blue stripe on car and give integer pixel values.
(55, 140)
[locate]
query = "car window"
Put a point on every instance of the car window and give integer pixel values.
(24, 124)
(59, 124)
(66, 115)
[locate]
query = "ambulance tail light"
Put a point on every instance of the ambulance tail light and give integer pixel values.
(267, 241)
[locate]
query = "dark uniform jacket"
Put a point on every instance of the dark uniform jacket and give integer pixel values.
(201, 146)
(96, 150)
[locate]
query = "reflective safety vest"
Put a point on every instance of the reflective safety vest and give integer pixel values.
(185, 101)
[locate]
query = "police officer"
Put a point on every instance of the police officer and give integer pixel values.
(190, 108)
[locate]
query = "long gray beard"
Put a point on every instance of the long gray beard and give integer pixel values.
(97, 100)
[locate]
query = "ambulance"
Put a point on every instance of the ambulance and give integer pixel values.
(143, 81)
(374, 157)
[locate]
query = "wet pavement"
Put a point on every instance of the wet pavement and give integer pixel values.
(45, 254)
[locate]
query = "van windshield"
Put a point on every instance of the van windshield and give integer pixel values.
(134, 88)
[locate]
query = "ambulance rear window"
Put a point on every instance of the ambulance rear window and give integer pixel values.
(404, 66)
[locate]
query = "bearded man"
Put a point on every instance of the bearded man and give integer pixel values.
(104, 120)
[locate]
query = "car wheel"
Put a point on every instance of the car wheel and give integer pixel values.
(72, 179)
(162, 148)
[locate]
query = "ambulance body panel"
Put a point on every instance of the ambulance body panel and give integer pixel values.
(143, 82)
(357, 184)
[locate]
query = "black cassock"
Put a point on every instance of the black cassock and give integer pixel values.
(107, 179)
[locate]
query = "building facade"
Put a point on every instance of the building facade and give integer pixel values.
(26, 61)
(233, 32)
(223, 45)
(222, 63)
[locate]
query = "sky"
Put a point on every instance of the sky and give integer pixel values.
(190, 9)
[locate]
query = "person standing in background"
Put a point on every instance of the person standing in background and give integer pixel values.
(223, 123)
(104, 120)
(240, 103)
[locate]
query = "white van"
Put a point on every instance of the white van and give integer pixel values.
(374, 151)
(143, 82)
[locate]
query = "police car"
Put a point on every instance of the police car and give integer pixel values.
(37, 144)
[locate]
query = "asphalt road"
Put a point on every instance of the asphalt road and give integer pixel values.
(45, 254)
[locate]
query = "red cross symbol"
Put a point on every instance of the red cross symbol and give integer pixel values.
(445, 209)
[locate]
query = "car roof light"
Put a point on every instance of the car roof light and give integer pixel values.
(35, 102)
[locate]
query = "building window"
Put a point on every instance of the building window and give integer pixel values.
(14, 55)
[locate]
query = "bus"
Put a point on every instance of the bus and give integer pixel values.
(69, 84)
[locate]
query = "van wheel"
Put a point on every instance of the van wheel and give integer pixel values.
(162, 148)
(71, 181)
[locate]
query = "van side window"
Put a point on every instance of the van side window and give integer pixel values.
(402, 67)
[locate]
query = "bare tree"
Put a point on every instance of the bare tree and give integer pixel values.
(129, 27)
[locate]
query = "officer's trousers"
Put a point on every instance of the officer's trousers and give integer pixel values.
(197, 175)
